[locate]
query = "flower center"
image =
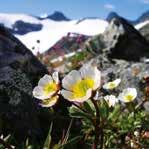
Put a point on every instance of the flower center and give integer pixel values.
(50, 87)
(112, 85)
(80, 88)
(129, 97)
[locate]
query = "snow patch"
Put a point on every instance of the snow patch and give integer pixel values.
(140, 25)
(53, 31)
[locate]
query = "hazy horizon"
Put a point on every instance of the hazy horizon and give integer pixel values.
(130, 9)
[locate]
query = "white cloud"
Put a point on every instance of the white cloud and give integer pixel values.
(109, 6)
(145, 1)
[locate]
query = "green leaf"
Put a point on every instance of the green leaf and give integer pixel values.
(103, 109)
(89, 107)
(71, 142)
(48, 139)
(77, 113)
(68, 132)
(115, 113)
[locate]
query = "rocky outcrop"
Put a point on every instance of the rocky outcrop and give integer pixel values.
(20, 27)
(120, 53)
(121, 40)
(19, 73)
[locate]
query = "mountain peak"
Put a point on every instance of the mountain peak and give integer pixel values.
(143, 17)
(58, 16)
(112, 15)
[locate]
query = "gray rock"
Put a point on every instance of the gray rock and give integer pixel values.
(19, 73)
(130, 73)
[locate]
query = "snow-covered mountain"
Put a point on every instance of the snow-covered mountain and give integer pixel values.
(52, 31)
(40, 34)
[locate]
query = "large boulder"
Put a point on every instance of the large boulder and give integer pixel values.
(19, 73)
(121, 40)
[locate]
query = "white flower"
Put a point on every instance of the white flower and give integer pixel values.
(128, 95)
(111, 100)
(136, 133)
(49, 102)
(78, 85)
(111, 85)
(47, 87)
(132, 144)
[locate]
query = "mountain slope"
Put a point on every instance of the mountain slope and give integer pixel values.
(144, 17)
(52, 31)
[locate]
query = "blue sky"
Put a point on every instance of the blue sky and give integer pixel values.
(75, 9)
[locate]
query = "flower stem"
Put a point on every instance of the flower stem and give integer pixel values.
(5, 144)
(97, 127)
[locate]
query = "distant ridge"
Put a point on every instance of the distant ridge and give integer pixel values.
(56, 16)
(142, 18)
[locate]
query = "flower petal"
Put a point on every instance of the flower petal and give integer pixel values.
(55, 77)
(86, 97)
(69, 96)
(117, 81)
(128, 95)
(70, 79)
(39, 93)
(45, 80)
(92, 72)
(111, 85)
(97, 79)
(111, 100)
(87, 71)
(49, 102)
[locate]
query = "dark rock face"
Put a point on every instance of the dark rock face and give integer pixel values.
(19, 73)
(122, 41)
(69, 43)
(22, 28)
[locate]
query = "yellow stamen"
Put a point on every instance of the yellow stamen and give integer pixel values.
(81, 87)
(50, 87)
(129, 97)
(111, 85)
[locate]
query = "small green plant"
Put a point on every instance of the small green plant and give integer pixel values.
(109, 118)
